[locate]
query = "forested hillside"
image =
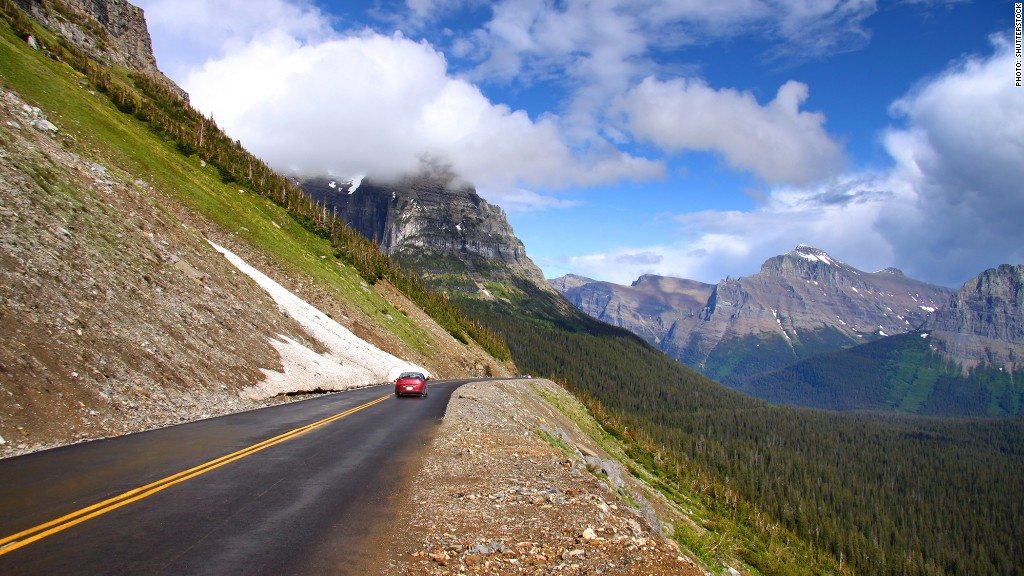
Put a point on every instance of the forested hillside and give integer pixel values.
(869, 494)
(900, 373)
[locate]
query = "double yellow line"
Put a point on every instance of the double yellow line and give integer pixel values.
(26, 537)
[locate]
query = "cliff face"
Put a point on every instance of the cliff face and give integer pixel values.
(649, 308)
(984, 320)
(446, 232)
(111, 31)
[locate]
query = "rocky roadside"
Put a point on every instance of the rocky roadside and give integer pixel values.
(504, 489)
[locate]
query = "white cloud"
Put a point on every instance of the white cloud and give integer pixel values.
(778, 142)
(837, 215)
(961, 154)
(187, 32)
(379, 104)
(948, 208)
(603, 49)
(277, 76)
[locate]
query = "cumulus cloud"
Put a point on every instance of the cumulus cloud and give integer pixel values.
(378, 104)
(187, 32)
(948, 208)
(960, 152)
(778, 142)
(605, 47)
(279, 76)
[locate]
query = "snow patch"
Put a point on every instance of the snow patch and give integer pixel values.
(350, 361)
(815, 256)
(356, 181)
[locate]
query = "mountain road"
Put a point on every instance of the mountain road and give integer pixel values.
(297, 488)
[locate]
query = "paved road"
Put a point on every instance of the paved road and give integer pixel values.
(287, 499)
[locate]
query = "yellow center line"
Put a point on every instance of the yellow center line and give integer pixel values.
(25, 537)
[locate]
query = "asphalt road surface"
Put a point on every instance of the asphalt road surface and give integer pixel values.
(300, 488)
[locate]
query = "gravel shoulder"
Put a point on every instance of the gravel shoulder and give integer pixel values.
(503, 488)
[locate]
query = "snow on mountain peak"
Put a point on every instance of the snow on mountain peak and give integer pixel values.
(813, 254)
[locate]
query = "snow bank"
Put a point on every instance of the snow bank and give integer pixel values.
(350, 362)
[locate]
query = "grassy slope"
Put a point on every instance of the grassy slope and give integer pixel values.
(121, 142)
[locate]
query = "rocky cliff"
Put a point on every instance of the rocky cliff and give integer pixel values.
(443, 230)
(112, 31)
(649, 308)
(798, 304)
(983, 323)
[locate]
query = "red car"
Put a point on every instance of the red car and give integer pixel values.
(411, 384)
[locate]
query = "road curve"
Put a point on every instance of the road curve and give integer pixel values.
(298, 488)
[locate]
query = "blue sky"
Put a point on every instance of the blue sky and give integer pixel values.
(675, 137)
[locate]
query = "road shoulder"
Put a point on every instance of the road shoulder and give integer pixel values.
(504, 489)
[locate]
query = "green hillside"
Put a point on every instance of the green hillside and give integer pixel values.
(133, 122)
(899, 374)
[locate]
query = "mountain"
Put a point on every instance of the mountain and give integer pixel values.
(652, 307)
(444, 230)
(109, 31)
(983, 323)
(966, 360)
(799, 304)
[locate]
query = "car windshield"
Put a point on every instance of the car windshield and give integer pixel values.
(411, 375)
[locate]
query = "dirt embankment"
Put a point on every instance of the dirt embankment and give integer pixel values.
(504, 489)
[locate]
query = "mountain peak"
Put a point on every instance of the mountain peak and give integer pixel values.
(645, 279)
(813, 254)
(804, 262)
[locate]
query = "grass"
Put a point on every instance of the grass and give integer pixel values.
(711, 530)
(92, 127)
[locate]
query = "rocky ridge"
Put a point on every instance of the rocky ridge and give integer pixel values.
(984, 320)
(650, 308)
(431, 223)
(801, 303)
(112, 31)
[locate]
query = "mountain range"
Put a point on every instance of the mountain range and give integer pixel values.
(781, 334)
